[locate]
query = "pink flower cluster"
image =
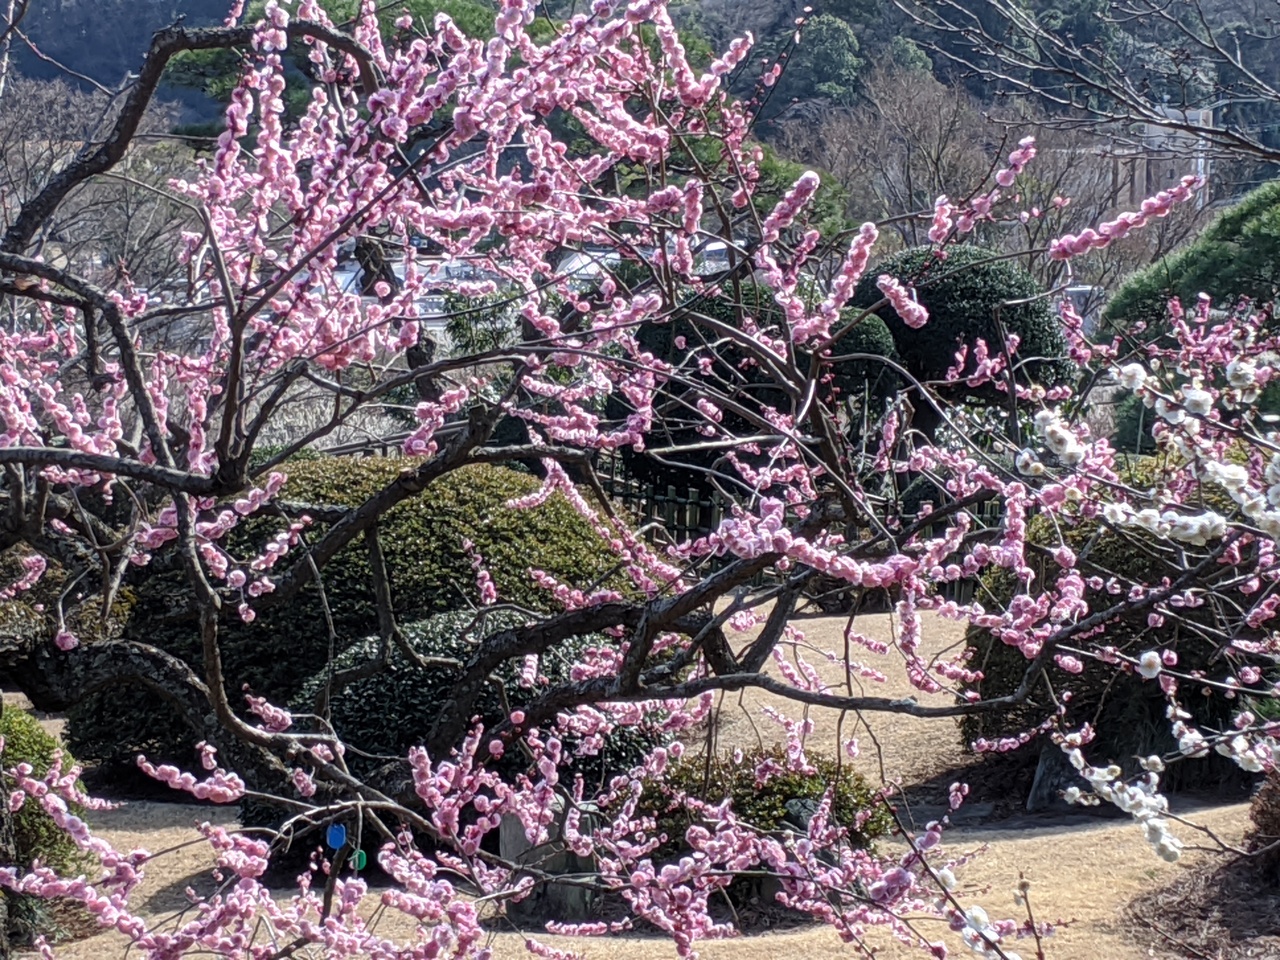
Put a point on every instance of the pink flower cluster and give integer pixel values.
(1161, 205)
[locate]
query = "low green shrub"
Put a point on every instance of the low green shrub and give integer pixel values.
(855, 804)
(380, 717)
(428, 568)
(36, 837)
(1237, 255)
(1133, 423)
(385, 714)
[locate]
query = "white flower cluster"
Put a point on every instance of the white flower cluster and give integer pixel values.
(1260, 506)
(1196, 400)
(1242, 374)
(1059, 438)
(1195, 528)
(1141, 799)
(1254, 757)
(980, 936)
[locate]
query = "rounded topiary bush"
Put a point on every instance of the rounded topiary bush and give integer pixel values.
(970, 295)
(428, 568)
(867, 381)
(1127, 712)
(380, 717)
(36, 836)
(387, 713)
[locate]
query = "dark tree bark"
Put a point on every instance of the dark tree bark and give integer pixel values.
(8, 855)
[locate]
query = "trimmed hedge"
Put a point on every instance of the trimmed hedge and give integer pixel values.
(1133, 423)
(964, 294)
(429, 572)
(35, 835)
(1127, 712)
(1237, 255)
(380, 717)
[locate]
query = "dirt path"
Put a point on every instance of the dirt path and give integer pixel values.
(1082, 871)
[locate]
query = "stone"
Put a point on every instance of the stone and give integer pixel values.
(565, 902)
(1054, 774)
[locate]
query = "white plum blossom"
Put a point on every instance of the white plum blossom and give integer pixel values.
(1269, 523)
(1241, 374)
(979, 935)
(1132, 376)
(1149, 519)
(1171, 412)
(1117, 513)
(1150, 665)
(1196, 401)
(1191, 742)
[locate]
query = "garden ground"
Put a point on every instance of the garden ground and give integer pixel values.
(1083, 868)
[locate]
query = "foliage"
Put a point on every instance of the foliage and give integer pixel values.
(825, 64)
(1235, 256)
(1133, 423)
(126, 460)
(480, 325)
(36, 836)
(855, 805)
(428, 568)
(826, 213)
(387, 713)
(1128, 713)
(1264, 812)
(971, 295)
(853, 380)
